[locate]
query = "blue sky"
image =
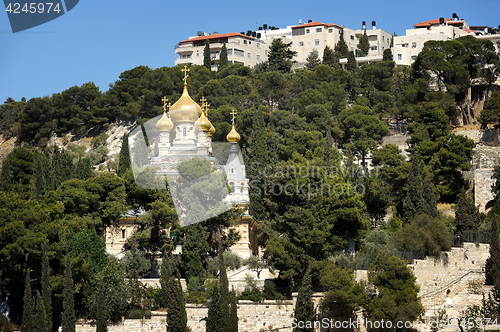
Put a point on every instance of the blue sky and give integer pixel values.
(98, 40)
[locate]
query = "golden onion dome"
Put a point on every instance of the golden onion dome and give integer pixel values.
(185, 109)
(205, 123)
(211, 131)
(164, 124)
(233, 136)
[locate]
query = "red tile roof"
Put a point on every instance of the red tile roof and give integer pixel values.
(316, 23)
(215, 36)
(435, 22)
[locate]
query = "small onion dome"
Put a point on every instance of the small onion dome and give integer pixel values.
(211, 131)
(233, 136)
(164, 124)
(205, 123)
(185, 109)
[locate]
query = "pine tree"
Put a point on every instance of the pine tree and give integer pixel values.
(413, 200)
(341, 49)
(351, 62)
(304, 307)
(312, 60)
(466, 214)
(329, 57)
(41, 317)
(28, 324)
(214, 317)
(387, 55)
(46, 289)
(124, 157)
(207, 61)
(223, 60)
(102, 321)
(280, 56)
(194, 249)
(68, 313)
(364, 44)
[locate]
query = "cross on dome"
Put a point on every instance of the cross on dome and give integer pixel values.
(233, 113)
(185, 70)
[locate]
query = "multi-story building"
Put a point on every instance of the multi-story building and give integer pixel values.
(240, 49)
(406, 48)
(379, 39)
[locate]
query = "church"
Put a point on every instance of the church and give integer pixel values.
(185, 132)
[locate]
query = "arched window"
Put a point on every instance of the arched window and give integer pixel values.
(184, 132)
(231, 185)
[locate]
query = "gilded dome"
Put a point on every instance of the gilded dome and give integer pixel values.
(164, 124)
(233, 136)
(185, 109)
(211, 131)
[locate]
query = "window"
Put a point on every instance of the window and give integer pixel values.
(316, 42)
(414, 45)
(330, 30)
(184, 132)
(258, 56)
(373, 48)
(352, 37)
(318, 29)
(230, 51)
(307, 30)
(400, 57)
(249, 55)
(405, 45)
(301, 43)
(123, 233)
(413, 57)
(266, 52)
(249, 42)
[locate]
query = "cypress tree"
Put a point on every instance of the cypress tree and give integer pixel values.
(259, 158)
(214, 318)
(351, 62)
(41, 316)
(387, 55)
(491, 306)
(304, 307)
(172, 298)
(83, 169)
(48, 170)
(224, 289)
(429, 198)
(39, 176)
(233, 312)
(46, 289)
(68, 313)
(413, 199)
(28, 323)
(124, 157)
(194, 249)
(364, 44)
(223, 60)
(341, 49)
(102, 321)
(329, 57)
(165, 275)
(207, 61)
(466, 215)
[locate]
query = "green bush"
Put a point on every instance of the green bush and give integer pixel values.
(138, 314)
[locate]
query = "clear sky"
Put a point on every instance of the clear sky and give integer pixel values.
(98, 40)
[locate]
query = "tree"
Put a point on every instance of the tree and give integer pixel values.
(233, 312)
(101, 321)
(28, 323)
(341, 50)
(172, 297)
(194, 252)
(491, 305)
(387, 55)
(46, 289)
(68, 313)
(83, 169)
(364, 44)
(41, 317)
(207, 60)
(396, 296)
(224, 290)
(124, 157)
(329, 57)
(280, 56)
(351, 62)
(312, 60)
(413, 201)
(466, 214)
(215, 322)
(223, 60)
(304, 307)
(491, 110)
(362, 130)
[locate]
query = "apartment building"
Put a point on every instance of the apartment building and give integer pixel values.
(406, 48)
(240, 49)
(379, 39)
